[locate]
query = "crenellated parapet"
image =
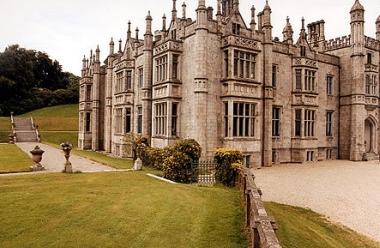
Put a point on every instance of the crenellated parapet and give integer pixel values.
(338, 43)
(371, 43)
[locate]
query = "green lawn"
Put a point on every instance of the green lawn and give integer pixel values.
(116, 210)
(118, 163)
(56, 138)
(299, 228)
(57, 118)
(12, 159)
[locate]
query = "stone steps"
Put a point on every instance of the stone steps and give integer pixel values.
(25, 132)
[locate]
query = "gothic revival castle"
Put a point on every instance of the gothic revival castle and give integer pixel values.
(227, 84)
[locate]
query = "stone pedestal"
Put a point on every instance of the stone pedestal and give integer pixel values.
(66, 148)
(138, 165)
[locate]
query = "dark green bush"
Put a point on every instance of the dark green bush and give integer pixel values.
(228, 161)
(190, 147)
(153, 157)
(178, 167)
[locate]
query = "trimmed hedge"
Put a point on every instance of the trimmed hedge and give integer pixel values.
(228, 162)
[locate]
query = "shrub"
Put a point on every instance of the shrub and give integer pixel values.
(228, 162)
(178, 167)
(152, 157)
(190, 147)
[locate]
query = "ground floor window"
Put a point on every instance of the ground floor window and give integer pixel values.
(243, 122)
(298, 122)
(309, 156)
(329, 124)
(118, 120)
(329, 154)
(309, 123)
(88, 122)
(128, 120)
(276, 121)
(161, 118)
(139, 119)
(174, 118)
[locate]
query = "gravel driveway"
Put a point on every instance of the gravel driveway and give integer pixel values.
(54, 160)
(346, 192)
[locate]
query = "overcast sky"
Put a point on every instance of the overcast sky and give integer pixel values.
(66, 29)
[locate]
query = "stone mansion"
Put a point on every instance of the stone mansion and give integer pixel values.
(228, 84)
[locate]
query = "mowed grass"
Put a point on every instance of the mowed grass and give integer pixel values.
(12, 159)
(57, 118)
(57, 138)
(300, 228)
(117, 163)
(116, 210)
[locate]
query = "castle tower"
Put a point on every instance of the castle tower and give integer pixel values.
(357, 78)
(378, 28)
(147, 80)
(108, 96)
(200, 82)
(96, 102)
(268, 88)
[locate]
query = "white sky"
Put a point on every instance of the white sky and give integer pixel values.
(67, 29)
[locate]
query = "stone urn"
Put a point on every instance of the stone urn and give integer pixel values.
(66, 148)
(37, 158)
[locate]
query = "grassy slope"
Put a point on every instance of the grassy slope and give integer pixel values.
(299, 228)
(13, 159)
(116, 210)
(5, 129)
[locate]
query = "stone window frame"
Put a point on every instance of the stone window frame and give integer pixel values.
(161, 68)
(309, 122)
(128, 80)
(371, 84)
(88, 92)
(276, 121)
(329, 85)
(298, 122)
(174, 118)
(329, 123)
(236, 122)
(127, 120)
(274, 75)
(140, 71)
(310, 80)
(119, 78)
(244, 64)
(160, 118)
(118, 120)
(139, 119)
(88, 122)
(298, 79)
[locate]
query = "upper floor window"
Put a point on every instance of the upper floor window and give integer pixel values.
(128, 83)
(88, 122)
(371, 85)
(161, 68)
(173, 34)
(236, 28)
(226, 64)
(119, 82)
(298, 79)
(244, 65)
(175, 66)
(141, 77)
(369, 58)
(88, 92)
(329, 85)
(276, 121)
(310, 80)
(274, 75)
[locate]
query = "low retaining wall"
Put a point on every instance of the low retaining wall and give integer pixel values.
(261, 228)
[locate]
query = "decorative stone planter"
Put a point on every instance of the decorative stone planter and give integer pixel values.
(66, 148)
(37, 158)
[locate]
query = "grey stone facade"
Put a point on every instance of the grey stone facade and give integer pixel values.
(227, 84)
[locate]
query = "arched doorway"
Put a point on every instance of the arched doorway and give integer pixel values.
(369, 136)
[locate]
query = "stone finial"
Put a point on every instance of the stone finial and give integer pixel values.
(357, 6)
(120, 41)
(97, 54)
(267, 7)
(112, 46)
(164, 22)
(184, 10)
(174, 10)
(137, 33)
(129, 33)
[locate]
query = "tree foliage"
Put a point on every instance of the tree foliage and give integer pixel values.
(29, 80)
